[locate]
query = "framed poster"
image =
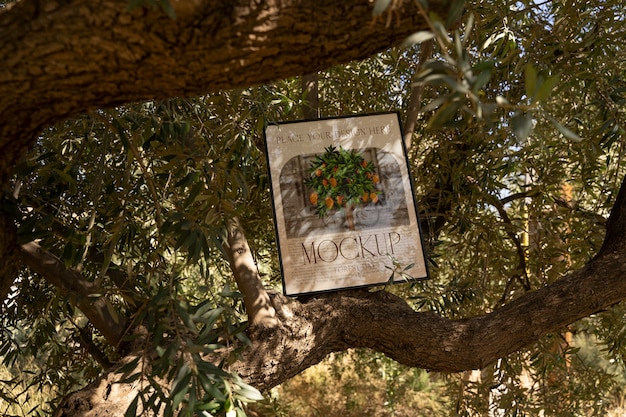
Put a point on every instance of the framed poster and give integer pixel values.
(344, 208)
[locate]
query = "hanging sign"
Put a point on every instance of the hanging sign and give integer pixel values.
(343, 203)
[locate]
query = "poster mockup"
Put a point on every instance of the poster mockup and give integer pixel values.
(343, 203)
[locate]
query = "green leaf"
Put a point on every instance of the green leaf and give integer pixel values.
(64, 176)
(180, 386)
(192, 398)
(455, 11)
(187, 180)
(167, 8)
(210, 406)
(380, 6)
(209, 368)
(440, 29)
(211, 388)
(481, 80)
(521, 125)
(131, 411)
(132, 378)
(546, 88)
(434, 104)
(568, 133)
(184, 239)
(444, 114)
(210, 317)
(185, 317)
(469, 25)
(112, 311)
(530, 76)
(129, 366)
(205, 307)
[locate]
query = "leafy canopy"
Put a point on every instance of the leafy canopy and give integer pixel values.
(516, 159)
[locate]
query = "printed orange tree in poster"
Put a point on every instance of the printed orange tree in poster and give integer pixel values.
(341, 179)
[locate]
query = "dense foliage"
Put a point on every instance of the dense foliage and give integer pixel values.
(516, 160)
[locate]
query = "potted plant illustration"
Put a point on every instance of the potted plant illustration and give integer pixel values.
(341, 179)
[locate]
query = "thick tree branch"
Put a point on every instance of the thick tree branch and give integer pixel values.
(61, 58)
(417, 93)
(96, 308)
(310, 329)
(385, 323)
(255, 298)
(616, 224)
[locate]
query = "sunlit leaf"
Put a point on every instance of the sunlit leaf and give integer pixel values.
(418, 37)
(248, 392)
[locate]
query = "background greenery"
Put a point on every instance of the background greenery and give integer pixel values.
(517, 157)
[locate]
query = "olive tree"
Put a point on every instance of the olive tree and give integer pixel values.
(136, 226)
